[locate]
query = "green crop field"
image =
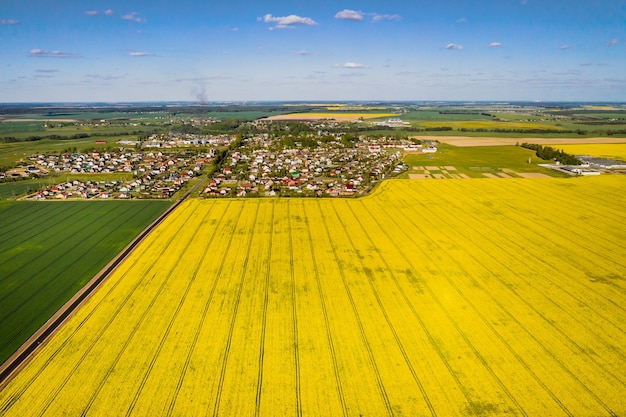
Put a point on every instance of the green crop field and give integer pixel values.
(474, 161)
(49, 250)
(15, 128)
(517, 121)
(436, 116)
(19, 188)
(90, 115)
(242, 115)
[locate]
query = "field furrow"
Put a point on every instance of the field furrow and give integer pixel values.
(354, 359)
(20, 228)
(538, 294)
(196, 384)
(237, 388)
(457, 331)
(405, 388)
(174, 329)
(278, 390)
(321, 386)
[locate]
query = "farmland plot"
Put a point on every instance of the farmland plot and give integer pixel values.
(457, 297)
(614, 151)
(48, 251)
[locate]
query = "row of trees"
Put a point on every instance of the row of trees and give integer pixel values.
(548, 152)
(12, 139)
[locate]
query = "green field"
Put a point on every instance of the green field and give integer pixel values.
(544, 120)
(22, 132)
(49, 250)
(436, 116)
(90, 115)
(17, 128)
(473, 161)
(241, 115)
(19, 188)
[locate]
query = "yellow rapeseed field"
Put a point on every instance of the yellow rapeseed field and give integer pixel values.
(612, 150)
(449, 298)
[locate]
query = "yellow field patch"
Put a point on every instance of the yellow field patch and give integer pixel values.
(449, 298)
(615, 151)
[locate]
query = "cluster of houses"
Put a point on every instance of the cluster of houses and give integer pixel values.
(261, 167)
(183, 140)
(154, 174)
(392, 122)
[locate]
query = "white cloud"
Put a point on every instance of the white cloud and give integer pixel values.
(235, 29)
(140, 54)
(133, 16)
(453, 47)
(303, 52)
(461, 20)
(107, 12)
(288, 21)
(564, 47)
(348, 14)
(351, 65)
(378, 17)
(358, 16)
(612, 42)
(40, 53)
(9, 22)
(495, 45)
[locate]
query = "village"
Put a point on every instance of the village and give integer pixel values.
(306, 166)
(261, 165)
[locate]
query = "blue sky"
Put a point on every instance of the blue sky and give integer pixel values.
(217, 50)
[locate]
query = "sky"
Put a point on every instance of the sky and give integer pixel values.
(308, 50)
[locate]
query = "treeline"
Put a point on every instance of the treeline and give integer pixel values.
(540, 131)
(465, 112)
(220, 155)
(602, 122)
(12, 139)
(548, 152)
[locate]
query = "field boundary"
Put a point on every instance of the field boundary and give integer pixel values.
(38, 340)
